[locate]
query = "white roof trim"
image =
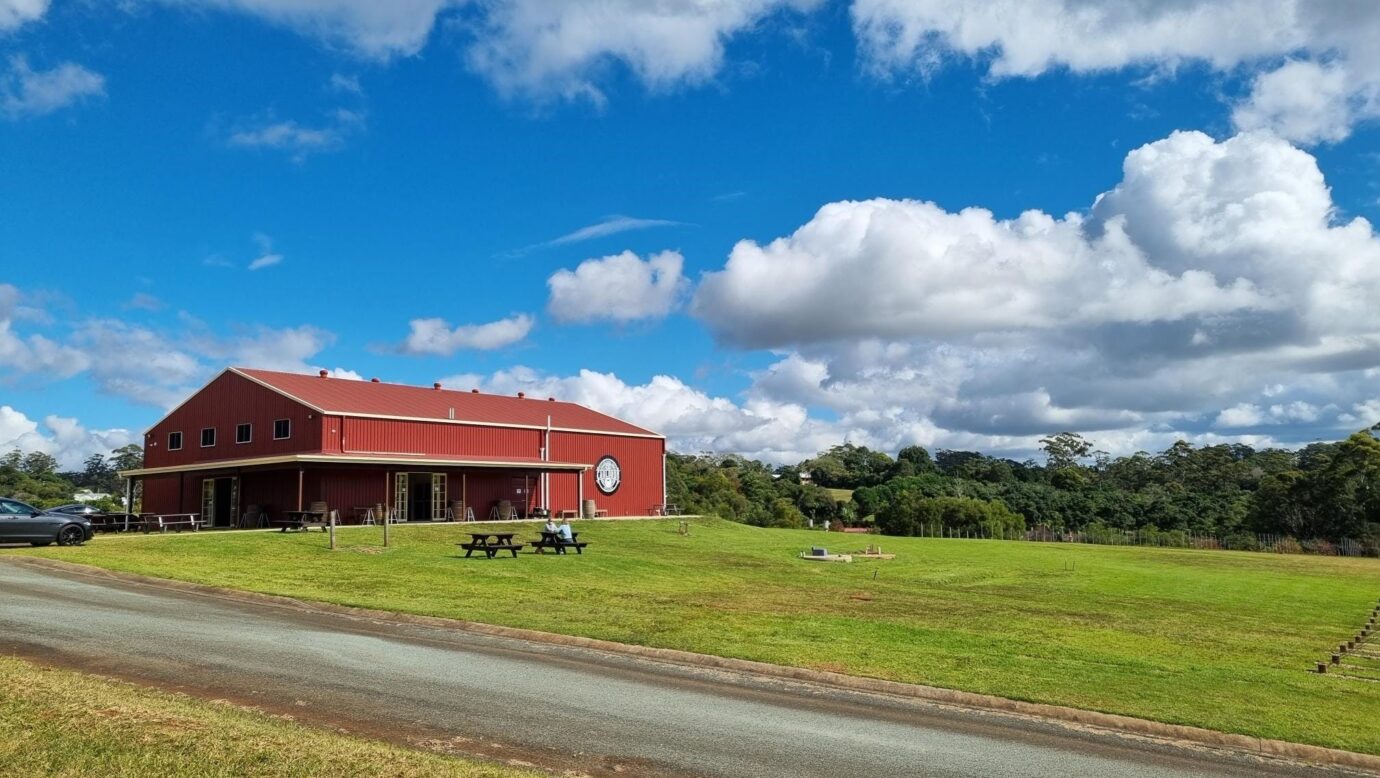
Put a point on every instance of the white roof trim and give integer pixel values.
(352, 459)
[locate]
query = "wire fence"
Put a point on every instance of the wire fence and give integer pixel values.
(1103, 536)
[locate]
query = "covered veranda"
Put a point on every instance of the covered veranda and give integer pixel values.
(251, 493)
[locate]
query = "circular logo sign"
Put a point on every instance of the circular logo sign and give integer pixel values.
(608, 475)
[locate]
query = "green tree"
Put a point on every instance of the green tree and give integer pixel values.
(37, 463)
(1065, 450)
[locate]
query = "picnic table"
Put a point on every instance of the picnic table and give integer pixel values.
(665, 509)
(555, 542)
(113, 522)
(170, 521)
(302, 520)
(491, 543)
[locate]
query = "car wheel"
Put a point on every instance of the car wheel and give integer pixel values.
(41, 543)
(71, 535)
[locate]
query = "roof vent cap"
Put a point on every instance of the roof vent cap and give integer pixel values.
(521, 395)
(474, 391)
(551, 399)
(373, 380)
(324, 373)
(436, 385)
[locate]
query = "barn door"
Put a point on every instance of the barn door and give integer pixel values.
(208, 500)
(438, 496)
(400, 496)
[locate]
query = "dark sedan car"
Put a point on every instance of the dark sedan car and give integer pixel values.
(23, 523)
(76, 509)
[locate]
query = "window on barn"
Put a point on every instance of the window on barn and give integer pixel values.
(244, 433)
(282, 429)
(174, 441)
(208, 437)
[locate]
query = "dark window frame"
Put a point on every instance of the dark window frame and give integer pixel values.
(205, 430)
(287, 424)
(247, 426)
(178, 447)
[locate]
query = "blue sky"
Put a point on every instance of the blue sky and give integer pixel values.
(740, 223)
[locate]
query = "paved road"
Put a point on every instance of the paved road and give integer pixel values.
(557, 707)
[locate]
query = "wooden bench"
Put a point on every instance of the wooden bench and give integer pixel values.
(553, 541)
(172, 521)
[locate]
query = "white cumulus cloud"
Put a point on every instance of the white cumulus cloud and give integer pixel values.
(61, 437)
(25, 92)
(144, 365)
(1214, 282)
(436, 336)
(13, 13)
(374, 29)
(547, 49)
(620, 288)
(1027, 38)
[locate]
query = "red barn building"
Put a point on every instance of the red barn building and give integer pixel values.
(282, 441)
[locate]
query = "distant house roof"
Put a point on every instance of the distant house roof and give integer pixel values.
(348, 397)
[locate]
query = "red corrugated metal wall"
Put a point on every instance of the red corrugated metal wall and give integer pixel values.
(386, 436)
(345, 490)
(274, 491)
(331, 434)
(160, 494)
(565, 492)
(224, 403)
(640, 460)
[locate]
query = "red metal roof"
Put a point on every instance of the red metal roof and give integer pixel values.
(367, 398)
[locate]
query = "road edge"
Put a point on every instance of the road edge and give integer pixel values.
(1126, 725)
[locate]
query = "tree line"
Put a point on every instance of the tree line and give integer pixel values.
(35, 478)
(1326, 491)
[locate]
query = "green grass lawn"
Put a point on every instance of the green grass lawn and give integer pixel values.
(60, 723)
(1215, 639)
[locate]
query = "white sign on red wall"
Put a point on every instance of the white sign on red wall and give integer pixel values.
(608, 475)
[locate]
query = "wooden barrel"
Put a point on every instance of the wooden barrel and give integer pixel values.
(588, 511)
(505, 510)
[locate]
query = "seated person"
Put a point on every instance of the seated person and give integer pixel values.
(550, 525)
(564, 532)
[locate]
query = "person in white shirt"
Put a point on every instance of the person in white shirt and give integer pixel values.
(550, 525)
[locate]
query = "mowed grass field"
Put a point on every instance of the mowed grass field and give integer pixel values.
(60, 723)
(1222, 640)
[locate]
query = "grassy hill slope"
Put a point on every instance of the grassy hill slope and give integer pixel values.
(1214, 639)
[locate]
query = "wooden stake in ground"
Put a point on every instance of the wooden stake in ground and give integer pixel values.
(330, 527)
(387, 519)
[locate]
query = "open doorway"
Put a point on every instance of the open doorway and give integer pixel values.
(419, 496)
(220, 499)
